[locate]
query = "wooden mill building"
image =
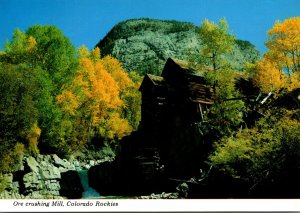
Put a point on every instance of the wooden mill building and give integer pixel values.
(179, 91)
(167, 145)
(173, 106)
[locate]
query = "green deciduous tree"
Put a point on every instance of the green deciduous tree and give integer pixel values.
(216, 40)
(132, 100)
(45, 47)
(225, 116)
(51, 55)
(18, 113)
(21, 49)
(55, 53)
(264, 156)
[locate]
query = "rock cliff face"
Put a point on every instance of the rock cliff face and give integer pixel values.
(143, 45)
(46, 176)
(39, 178)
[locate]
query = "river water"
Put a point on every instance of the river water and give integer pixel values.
(89, 192)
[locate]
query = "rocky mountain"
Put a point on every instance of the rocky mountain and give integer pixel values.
(144, 45)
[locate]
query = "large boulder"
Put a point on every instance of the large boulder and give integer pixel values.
(52, 185)
(32, 182)
(70, 185)
(32, 164)
(62, 164)
(50, 172)
(106, 179)
(40, 178)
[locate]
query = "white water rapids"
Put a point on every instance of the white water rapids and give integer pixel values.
(89, 192)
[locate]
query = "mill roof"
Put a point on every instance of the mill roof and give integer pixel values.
(200, 93)
(178, 74)
(156, 80)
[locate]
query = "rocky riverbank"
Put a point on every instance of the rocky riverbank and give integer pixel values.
(181, 193)
(51, 177)
(46, 176)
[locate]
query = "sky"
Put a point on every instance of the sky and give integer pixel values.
(88, 21)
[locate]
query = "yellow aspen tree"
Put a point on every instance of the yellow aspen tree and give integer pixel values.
(32, 137)
(113, 66)
(115, 127)
(93, 90)
(128, 84)
(69, 102)
(284, 44)
(268, 77)
(83, 52)
(93, 100)
(294, 82)
(95, 55)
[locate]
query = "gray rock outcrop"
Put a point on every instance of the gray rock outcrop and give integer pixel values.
(40, 178)
(11, 187)
(62, 164)
(46, 176)
(143, 45)
(32, 164)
